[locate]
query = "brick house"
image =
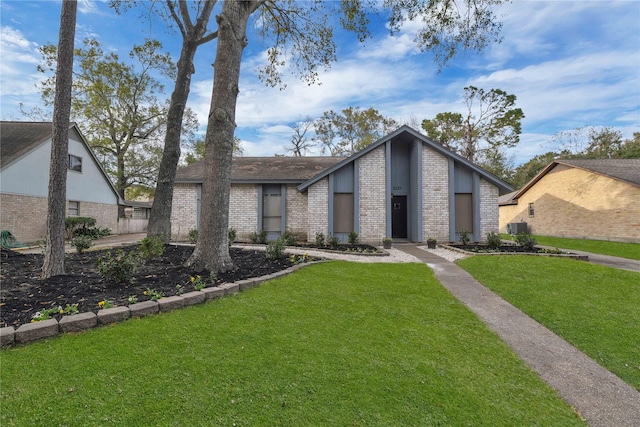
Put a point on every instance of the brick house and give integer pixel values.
(579, 198)
(25, 149)
(403, 186)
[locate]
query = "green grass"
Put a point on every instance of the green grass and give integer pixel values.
(595, 308)
(603, 247)
(334, 344)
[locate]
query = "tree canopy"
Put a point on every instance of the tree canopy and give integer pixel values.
(491, 121)
(352, 129)
(118, 107)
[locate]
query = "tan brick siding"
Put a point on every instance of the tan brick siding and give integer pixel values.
(318, 202)
(297, 210)
(243, 210)
(184, 210)
(372, 183)
(26, 216)
(488, 209)
(571, 202)
(435, 195)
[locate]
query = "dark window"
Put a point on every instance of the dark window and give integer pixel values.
(75, 163)
(73, 208)
(464, 212)
(343, 212)
(531, 210)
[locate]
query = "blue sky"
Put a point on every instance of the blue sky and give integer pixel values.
(570, 64)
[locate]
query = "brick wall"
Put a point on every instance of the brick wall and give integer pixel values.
(570, 202)
(372, 201)
(488, 209)
(183, 210)
(435, 195)
(318, 208)
(26, 216)
(243, 209)
(297, 210)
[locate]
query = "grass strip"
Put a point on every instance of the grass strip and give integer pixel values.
(603, 247)
(333, 344)
(593, 307)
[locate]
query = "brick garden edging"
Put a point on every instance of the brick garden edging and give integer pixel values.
(565, 255)
(30, 332)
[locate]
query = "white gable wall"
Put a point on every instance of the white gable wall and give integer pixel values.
(29, 176)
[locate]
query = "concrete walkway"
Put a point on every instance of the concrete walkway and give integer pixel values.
(599, 396)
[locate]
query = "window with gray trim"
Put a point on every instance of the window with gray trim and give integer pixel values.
(343, 212)
(272, 207)
(75, 163)
(531, 210)
(73, 208)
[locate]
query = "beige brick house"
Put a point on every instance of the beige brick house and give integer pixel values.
(403, 186)
(579, 198)
(24, 180)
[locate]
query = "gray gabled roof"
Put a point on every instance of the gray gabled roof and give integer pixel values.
(407, 133)
(17, 139)
(294, 170)
(627, 170)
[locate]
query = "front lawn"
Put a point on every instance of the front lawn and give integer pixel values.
(603, 247)
(334, 344)
(593, 307)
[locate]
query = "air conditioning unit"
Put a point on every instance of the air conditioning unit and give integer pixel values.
(517, 228)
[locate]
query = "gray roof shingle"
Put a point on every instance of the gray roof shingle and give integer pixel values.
(622, 169)
(19, 138)
(264, 169)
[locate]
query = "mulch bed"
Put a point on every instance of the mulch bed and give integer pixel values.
(23, 293)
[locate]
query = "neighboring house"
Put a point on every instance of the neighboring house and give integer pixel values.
(580, 198)
(25, 149)
(403, 186)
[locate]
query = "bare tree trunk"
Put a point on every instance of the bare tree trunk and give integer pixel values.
(193, 36)
(57, 202)
(212, 250)
(160, 219)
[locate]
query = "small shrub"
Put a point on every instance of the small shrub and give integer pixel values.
(275, 249)
(526, 240)
(493, 240)
(353, 238)
(319, 239)
(465, 238)
(94, 233)
(333, 242)
(192, 235)
(153, 294)
(71, 224)
(289, 237)
(119, 268)
(258, 237)
(232, 235)
(81, 243)
(151, 248)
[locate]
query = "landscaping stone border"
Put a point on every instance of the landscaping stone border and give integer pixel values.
(35, 331)
(567, 255)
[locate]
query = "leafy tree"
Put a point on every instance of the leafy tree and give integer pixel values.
(300, 142)
(491, 122)
(590, 142)
(117, 105)
(525, 172)
(303, 30)
(630, 148)
(198, 151)
(495, 160)
(353, 129)
(57, 196)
